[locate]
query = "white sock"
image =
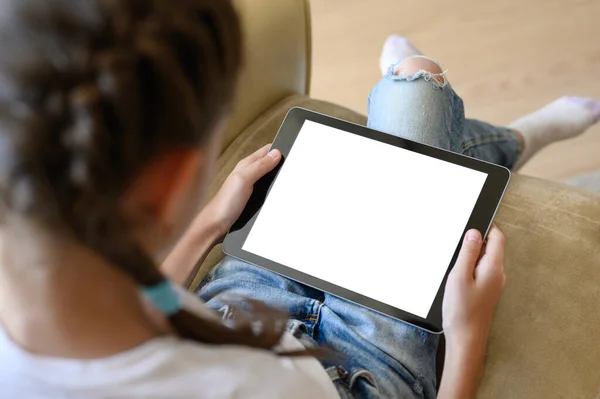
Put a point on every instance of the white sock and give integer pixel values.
(562, 119)
(395, 48)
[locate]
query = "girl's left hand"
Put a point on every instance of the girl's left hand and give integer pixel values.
(227, 206)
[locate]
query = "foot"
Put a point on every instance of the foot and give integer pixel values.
(395, 48)
(562, 119)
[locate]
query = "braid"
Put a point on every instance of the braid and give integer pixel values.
(103, 88)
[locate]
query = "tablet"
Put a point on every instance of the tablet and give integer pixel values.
(367, 216)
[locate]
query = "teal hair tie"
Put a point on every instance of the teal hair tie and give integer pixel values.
(163, 297)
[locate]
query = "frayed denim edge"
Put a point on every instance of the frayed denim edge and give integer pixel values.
(426, 75)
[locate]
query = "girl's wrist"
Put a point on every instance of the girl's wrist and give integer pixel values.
(466, 339)
(207, 226)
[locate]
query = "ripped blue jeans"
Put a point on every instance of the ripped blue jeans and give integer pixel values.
(419, 109)
(384, 357)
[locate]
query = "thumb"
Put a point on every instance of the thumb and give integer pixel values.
(469, 253)
(262, 166)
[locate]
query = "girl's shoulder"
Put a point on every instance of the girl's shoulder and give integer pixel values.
(163, 367)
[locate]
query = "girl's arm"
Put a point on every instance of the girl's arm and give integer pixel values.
(463, 367)
(472, 292)
(213, 222)
(190, 251)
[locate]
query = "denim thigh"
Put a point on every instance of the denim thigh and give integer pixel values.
(381, 356)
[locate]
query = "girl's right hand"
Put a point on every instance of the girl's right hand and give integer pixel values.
(224, 209)
(473, 289)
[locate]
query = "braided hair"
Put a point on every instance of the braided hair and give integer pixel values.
(90, 93)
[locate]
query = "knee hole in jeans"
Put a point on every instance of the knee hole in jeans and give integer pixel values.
(414, 65)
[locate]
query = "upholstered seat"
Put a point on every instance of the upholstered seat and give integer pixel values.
(544, 337)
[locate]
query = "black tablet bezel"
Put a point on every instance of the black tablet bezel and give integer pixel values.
(481, 217)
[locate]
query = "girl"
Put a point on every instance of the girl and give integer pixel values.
(110, 119)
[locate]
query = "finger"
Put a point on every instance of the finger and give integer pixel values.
(486, 238)
(261, 167)
(492, 261)
(469, 253)
(258, 154)
(495, 243)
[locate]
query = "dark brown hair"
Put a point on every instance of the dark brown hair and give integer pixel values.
(90, 93)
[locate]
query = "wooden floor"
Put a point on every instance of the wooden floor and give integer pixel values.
(505, 58)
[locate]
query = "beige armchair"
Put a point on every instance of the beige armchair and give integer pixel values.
(544, 341)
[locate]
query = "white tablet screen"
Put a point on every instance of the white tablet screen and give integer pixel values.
(367, 216)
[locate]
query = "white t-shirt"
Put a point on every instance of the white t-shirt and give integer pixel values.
(165, 367)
